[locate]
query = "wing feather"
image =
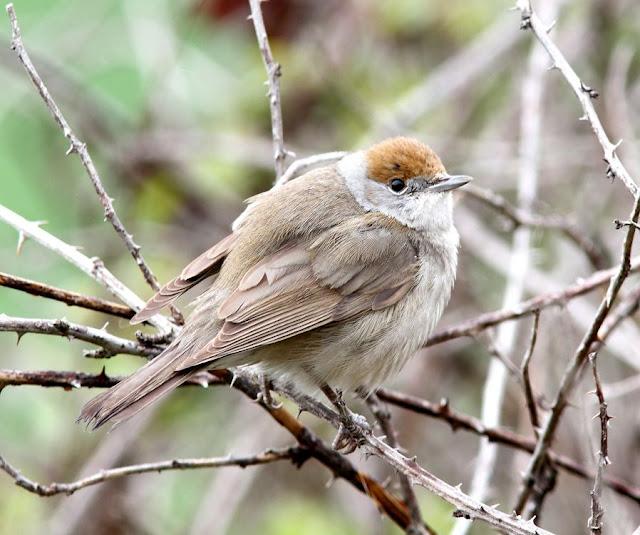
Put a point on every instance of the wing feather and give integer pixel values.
(205, 265)
(350, 269)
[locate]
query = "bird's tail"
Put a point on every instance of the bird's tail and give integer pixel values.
(148, 384)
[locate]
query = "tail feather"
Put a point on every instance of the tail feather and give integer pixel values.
(148, 384)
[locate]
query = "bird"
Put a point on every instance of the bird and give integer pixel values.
(333, 279)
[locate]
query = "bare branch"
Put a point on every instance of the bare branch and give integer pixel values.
(80, 148)
(65, 296)
(499, 435)
(94, 267)
(519, 217)
(303, 165)
(584, 93)
(570, 376)
(274, 72)
(526, 380)
(297, 455)
(69, 380)
(489, 319)
(111, 345)
(383, 416)
(597, 511)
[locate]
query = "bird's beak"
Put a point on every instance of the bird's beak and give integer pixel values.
(449, 182)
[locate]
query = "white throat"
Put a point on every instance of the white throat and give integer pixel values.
(430, 212)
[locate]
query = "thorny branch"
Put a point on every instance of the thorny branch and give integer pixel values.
(65, 296)
(80, 148)
(296, 455)
(274, 72)
(110, 344)
(383, 416)
(597, 510)
(584, 93)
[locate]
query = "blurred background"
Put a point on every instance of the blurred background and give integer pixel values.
(170, 98)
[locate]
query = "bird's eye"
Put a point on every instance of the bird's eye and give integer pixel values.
(397, 185)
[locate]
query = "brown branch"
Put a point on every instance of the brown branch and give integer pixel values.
(499, 435)
(65, 296)
(584, 93)
(519, 217)
(296, 455)
(80, 148)
(526, 380)
(489, 319)
(70, 380)
(570, 376)
(597, 510)
(383, 416)
(274, 72)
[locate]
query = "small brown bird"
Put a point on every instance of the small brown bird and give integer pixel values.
(335, 278)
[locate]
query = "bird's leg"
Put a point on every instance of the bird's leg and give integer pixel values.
(352, 425)
(264, 395)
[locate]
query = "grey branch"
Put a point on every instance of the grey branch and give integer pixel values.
(80, 148)
(584, 93)
(274, 72)
(489, 319)
(296, 454)
(526, 380)
(65, 296)
(94, 267)
(519, 217)
(571, 373)
(597, 510)
(383, 416)
(110, 344)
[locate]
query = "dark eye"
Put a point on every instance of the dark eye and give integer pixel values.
(397, 185)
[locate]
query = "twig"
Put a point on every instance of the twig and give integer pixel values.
(597, 511)
(305, 164)
(526, 380)
(112, 345)
(489, 319)
(65, 296)
(274, 72)
(499, 435)
(584, 93)
(296, 455)
(69, 380)
(80, 148)
(619, 224)
(519, 217)
(571, 373)
(94, 267)
(383, 416)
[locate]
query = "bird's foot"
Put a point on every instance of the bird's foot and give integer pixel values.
(265, 397)
(353, 426)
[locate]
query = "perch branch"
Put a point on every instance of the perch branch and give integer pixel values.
(65, 296)
(80, 148)
(296, 455)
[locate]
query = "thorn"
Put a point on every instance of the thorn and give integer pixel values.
(553, 67)
(551, 26)
(583, 117)
(21, 239)
(589, 90)
(20, 335)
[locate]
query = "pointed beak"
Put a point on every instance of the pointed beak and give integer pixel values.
(450, 182)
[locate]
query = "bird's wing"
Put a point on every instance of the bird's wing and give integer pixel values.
(205, 265)
(357, 266)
